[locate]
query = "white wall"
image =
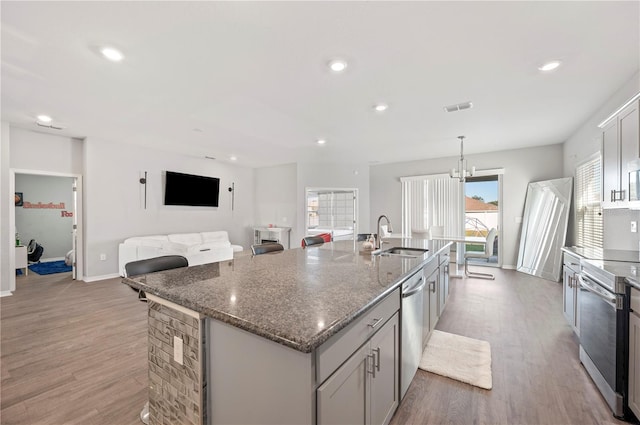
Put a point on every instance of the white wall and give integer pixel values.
(585, 142)
(521, 166)
(49, 227)
(29, 150)
(276, 197)
(332, 176)
(114, 203)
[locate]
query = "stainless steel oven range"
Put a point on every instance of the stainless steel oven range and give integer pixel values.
(603, 329)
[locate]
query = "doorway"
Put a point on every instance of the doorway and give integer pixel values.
(482, 213)
(332, 211)
(48, 209)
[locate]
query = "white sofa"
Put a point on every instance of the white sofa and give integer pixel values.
(198, 248)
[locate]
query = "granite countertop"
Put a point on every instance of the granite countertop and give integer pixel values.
(297, 297)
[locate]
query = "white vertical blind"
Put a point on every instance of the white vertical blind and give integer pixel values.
(588, 209)
(432, 201)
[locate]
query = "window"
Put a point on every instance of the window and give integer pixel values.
(588, 209)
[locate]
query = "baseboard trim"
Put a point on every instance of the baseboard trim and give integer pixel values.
(5, 293)
(89, 279)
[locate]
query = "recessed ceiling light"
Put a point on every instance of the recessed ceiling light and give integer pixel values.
(337, 65)
(549, 66)
(380, 107)
(112, 54)
(44, 118)
(321, 141)
(233, 158)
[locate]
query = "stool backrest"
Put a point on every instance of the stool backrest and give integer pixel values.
(264, 248)
(156, 264)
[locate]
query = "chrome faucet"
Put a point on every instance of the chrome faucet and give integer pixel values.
(379, 234)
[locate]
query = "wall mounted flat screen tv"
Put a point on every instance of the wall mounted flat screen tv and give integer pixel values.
(191, 190)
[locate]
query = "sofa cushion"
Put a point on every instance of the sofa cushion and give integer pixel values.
(186, 238)
(210, 246)
(155, 241)
(219, 236)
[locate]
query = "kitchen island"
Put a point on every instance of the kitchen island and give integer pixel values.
(261, 339)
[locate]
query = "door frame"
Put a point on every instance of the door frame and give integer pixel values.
(356, 212)
(78, 217)
(500, 173)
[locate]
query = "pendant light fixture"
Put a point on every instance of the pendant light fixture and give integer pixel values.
(462, 173)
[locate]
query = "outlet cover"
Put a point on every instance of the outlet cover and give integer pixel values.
(103, 257)
(178, 350)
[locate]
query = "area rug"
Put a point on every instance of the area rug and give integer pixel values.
(50, 267)
(464, 359)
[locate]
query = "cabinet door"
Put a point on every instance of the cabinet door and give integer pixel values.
(342, 399)
(634, 363)
(426, 316)
(610, 163)
(568, 296)
(629, 135)
(384, 385)
(432, 289)
(442, 289)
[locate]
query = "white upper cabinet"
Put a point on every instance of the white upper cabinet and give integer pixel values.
(620, 144)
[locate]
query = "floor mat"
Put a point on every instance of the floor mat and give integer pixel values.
(458, 357)
(50, 267)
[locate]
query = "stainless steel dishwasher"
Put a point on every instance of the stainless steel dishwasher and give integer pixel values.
(411, 334)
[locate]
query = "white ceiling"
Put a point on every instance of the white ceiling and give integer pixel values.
(250, 78)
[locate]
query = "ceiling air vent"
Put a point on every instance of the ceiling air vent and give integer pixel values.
(458, 107)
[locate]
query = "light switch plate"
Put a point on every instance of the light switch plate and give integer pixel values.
(634, 226)
(178, 350)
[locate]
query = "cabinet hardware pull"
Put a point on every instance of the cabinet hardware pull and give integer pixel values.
(373, 365)
(613, 195)
(375, 323)
(377, 362)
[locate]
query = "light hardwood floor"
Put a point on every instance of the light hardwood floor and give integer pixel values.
(75, 353)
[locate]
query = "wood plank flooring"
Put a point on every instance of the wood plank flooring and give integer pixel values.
(537, 376)
(75, 353)
(72, 352)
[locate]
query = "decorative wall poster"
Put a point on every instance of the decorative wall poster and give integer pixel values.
(18, 199)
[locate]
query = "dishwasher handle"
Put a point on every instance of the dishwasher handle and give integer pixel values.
(610, 299)
(415, 289)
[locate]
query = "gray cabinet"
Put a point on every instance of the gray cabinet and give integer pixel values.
(430, 302)
(364, 390)
(634, 353)
(443, 281)
(385, 381)
(570, 291)
(342, 398)
(620, 144)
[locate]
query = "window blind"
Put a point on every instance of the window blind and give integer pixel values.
(432, 201)
(588, 209)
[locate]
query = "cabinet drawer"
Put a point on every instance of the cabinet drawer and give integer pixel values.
(444, 257)
(572, 261)
(339, 347)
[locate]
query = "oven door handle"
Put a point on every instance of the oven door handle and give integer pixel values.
(611, 300)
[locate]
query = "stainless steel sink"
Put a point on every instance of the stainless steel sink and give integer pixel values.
(403, 251)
